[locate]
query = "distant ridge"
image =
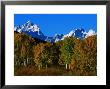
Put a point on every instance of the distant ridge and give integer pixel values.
(33, 30)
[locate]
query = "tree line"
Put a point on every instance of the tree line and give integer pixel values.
(70, 53)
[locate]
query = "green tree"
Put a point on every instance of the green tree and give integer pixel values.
(67, 50)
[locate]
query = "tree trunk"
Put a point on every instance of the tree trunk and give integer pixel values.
(39, 67)
(16, 63)
(46, 66)
(19, 63)
(24, 63)
(66, 66)
(27, 60)
(69, 66)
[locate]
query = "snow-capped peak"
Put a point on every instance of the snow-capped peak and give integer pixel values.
(90, 33)
(18, 29)
(28, 27)
(34, 30)
(78, 33)
(71, 33)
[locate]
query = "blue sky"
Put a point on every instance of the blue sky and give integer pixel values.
(51, 24)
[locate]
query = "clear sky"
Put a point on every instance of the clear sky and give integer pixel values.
(51, 24)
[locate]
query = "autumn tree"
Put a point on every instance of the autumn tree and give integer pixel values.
(78, 54)
(60, 45)
(23, 49)
(89, 60)
(85, 54)
(17, 45)
(37, 51)
(45, 55)
(50, 54)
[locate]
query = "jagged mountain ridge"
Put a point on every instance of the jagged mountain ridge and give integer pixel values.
(34, 30)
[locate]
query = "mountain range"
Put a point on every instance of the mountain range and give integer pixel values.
(33, 30)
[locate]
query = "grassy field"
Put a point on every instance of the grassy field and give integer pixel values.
(53, 71)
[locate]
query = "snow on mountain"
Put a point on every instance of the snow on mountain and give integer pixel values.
(30, 29)
(28, 26)
(78, 33)
(49, 39)
(57, 37)
(90, 33)
(71, 33)
(18, 29)
(34, 30)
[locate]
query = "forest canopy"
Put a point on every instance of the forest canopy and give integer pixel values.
(70, 56)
